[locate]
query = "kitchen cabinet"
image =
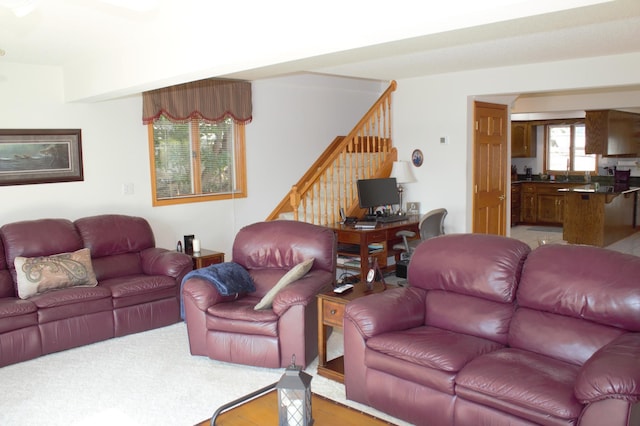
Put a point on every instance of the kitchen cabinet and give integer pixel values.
(550, 208)
(516, 202)
(612, 133)
(528, 205)
(523, 139)
(542, 204)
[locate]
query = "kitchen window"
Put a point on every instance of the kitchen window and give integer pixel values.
(196, 161)
(565, 149)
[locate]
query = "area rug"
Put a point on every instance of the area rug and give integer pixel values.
(148, 378)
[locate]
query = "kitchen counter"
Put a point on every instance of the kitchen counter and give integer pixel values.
(618, 188)
(599, 215)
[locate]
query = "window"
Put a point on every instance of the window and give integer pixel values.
(565, 151)
(196, 161)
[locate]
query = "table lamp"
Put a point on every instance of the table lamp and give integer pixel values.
(401, 170)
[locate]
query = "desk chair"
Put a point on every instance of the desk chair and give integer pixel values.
(431, 225)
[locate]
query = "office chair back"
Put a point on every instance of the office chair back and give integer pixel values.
(432, 224)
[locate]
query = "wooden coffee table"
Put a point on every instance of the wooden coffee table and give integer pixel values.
(263, 411)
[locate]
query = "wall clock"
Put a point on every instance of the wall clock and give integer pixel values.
(417, 158)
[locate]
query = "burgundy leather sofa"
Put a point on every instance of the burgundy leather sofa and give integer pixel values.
(138, 285)
(492, 333)
(230, 329)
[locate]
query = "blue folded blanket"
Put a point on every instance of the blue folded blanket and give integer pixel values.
(229, 278)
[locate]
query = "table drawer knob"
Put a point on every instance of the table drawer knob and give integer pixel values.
(333, 312)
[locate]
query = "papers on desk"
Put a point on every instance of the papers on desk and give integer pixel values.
(365, 225)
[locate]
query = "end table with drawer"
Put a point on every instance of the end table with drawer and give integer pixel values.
(205, 258)
(331, 314)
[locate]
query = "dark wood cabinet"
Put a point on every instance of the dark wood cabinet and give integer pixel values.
(542, 204)
(515, 203)
(523, 139)
(550, 209)
(529, 203)
(612, 133)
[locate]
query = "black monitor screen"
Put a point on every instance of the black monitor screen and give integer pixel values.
(373, 193)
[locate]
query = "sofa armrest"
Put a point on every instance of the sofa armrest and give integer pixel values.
(612, 372)
(203, 294)
(159, 261)
(392, 310)
(302, 291)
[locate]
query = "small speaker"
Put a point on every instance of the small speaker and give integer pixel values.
(188, 243)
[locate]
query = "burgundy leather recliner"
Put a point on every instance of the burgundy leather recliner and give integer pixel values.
(491, 333)
(229, 329)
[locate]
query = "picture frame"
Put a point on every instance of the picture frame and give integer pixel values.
(34, 156)
(413, 208)
(417, 158)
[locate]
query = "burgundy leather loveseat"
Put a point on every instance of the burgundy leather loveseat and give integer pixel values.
(137, 284)
(492, 333)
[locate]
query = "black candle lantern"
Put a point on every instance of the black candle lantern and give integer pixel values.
(294, 397)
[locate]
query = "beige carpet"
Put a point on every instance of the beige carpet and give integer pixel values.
(148, 378)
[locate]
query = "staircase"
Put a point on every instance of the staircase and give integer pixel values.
(330, 183)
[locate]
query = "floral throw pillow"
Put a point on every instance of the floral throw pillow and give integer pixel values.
(36, 275)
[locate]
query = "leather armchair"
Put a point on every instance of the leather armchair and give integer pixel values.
(229, 329)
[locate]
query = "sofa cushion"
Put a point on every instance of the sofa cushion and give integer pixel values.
(37, 275)
(523, 383)
(16, 314)
(432, 347)
(583, 282)
(564, 338)
(282, 244)
(240, 317)
(137, 289)
(469, 315)
(7, 289)
(111, 234)
(42, 237)
(480, 265)
(291, 276)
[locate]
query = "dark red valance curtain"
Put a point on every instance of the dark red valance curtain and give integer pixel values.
(209, 100)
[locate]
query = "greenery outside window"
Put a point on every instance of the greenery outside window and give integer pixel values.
(196, 161)
(565, 149)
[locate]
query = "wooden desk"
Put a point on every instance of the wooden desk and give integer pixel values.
(384, 233)
(331, 314)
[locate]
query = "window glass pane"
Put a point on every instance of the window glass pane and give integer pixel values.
(197, 161)
(172, 151)
(216, 157)
(582, 161)
(559, 147)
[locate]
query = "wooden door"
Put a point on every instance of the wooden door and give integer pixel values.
(490, 165)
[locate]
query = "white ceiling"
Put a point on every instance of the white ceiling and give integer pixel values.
(170, 42)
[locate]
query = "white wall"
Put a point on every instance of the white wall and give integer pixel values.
(429, 107)
(294, 119)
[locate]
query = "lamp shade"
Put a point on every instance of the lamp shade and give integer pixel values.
(401, 170)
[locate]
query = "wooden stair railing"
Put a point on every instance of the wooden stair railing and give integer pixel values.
(330, 183)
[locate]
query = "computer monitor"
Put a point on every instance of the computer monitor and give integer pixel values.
(373, 193)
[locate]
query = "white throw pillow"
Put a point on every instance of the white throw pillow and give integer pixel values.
(294, 274)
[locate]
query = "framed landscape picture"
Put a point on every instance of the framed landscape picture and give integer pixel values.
(30, 156)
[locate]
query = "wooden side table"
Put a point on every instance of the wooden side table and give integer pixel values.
(205, 258)
(331, 314)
